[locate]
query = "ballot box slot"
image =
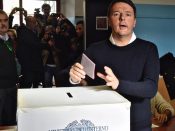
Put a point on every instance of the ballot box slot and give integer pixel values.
(69, 94)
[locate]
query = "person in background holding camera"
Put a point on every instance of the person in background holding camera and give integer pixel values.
(39, 17)
(28, 52)
(67, 28)
(50, 56)
(14, 10)
(77, 43)
(37, 14)
(65, 31)
(46, 13)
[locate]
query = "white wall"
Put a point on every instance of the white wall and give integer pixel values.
(68, 8)
(72, 8)
(79, 8)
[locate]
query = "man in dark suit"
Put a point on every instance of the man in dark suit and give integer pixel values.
(8, 76)
(29, 54)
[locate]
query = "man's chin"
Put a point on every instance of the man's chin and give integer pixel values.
(125, 33)
(3, 31)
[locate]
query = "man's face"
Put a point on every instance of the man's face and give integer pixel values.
(79, 30)
(122, 19)
(32, 22)
(3, 24)
(46, 11)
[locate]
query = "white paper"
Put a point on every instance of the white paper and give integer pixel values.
(89, 66)
(154, 126)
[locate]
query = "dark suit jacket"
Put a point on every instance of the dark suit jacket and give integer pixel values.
(29, 51)
(8, 72)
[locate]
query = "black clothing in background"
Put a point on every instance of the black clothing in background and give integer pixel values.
(62, 44)
(167, 70)
(11, 21)
(29, 56)
(8, 72)
(8, 80)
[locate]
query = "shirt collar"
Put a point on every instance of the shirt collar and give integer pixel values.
(4, 37)
(133, 37)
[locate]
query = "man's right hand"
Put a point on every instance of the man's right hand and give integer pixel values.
(77, 73)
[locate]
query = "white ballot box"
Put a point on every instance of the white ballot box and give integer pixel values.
(72, 109)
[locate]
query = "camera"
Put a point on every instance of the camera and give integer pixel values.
(50, 36)
(19, 9)
(63, 28)
(37, 10)
(37, 13)
(55, 15)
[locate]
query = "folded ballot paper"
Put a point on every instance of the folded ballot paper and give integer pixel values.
(89, 66)
(72, 109)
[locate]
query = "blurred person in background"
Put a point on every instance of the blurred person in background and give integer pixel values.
(50, 55)
(13, 11)
(29, 54)
(162, 111)
(13, 36)
(46, 13)
(77, 43)
(8, 76)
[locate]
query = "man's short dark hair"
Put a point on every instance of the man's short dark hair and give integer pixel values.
(129, 2)
(80, 22)
(45, 5)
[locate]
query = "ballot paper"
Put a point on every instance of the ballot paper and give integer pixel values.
(154, 126)
(89, 66)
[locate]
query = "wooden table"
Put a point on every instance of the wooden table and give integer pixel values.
(170, 126)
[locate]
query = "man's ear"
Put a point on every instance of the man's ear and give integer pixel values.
(109, 22)
(135, 23)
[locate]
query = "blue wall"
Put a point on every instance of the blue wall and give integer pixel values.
(156, 23)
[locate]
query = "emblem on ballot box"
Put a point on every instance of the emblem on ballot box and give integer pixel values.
(83, 125)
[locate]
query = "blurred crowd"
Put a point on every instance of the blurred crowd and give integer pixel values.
(45, 46)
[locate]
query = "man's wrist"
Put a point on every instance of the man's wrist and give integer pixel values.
(72, 82)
